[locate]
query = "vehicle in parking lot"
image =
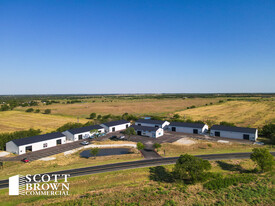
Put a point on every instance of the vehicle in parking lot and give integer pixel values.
(113, 137)
(84, 143)
(121, 137)
(25, 160)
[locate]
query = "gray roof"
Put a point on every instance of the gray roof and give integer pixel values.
(150, 121)
(187, 124)
(38, 138)
(143, 128)
(84, 129)
(234, 129)
(115, 123)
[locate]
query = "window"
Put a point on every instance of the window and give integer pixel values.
(45, 145)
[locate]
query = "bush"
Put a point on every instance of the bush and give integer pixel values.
(220, 182)
(140, 146)
(263, 158)
(269, 132)
(191, 169)
(29, 110)
(37, 111)
(227, 124)
(92, 115)
(68, 126)
(47, 111)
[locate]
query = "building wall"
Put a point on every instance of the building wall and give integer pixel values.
(39, 145)
(163, 126)
(189, 129)
(235, 135)
(117, 127)
(11, 147)
(75, 137)
(154, 134)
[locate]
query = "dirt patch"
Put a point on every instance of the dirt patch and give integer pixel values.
(184, 141)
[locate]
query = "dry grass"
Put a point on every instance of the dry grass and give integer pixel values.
(242, 113)
(17, 120)
(118, 107)
(204, 147)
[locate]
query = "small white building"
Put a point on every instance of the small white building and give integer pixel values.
(152, 123)
(234, 132)
(116, 125)
(148, 131)
(82, 133)
(186, 127)
(39, 142)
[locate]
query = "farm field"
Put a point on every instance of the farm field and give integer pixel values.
(120, 188)
(121, 106)
(11, 121)
(242, 113)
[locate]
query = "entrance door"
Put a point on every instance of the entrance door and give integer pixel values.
(173, 129)
(195, 131)
(246, 136)
(113, 129)
(29, 149)
(127, 126)
(138, 132)
(80, 136)
(217, 134)
(58, 141)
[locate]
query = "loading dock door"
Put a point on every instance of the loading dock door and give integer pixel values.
(58, 141)
(173, 129)
(80, 136)
(29, 149)
(195, 131)
(246, 136)
(138, 132)
(113, 129)
(217, 134)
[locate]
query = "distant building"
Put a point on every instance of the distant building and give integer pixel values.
(234, 132)
(152, 123)
(81, 133)
(186, 127)
(116, 125)
(39, 142)
(148, 131)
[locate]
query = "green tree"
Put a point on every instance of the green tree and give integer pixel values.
(268, 131)
(130, 131)
(92, 115)
(94, 151)
(263, 158)
(68, 126)
(157, 146)
(94, 132)
(140, 146)
(29, 110)
(176, 116)
(190, 168)
(47, 111)
(37, 111)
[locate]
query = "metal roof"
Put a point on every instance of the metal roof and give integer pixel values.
(234, 129)
(150, 121)
(187, 124)
(143, 128)
(115, 123)
(38, 138)
(84, 129)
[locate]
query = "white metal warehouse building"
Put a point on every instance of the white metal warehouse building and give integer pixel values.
(148, 131)
(186, 127)
(39, 142)
(234, 132)
(82, 133)
(116, 125)
(152, 123)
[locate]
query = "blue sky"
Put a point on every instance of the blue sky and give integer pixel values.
(135, 46)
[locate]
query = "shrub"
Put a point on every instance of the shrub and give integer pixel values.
(140, 146)
(37, 111)
(220, 182)
(47, 111)
(92, 115)
(227, 124)
(263, 158)
(29, 110)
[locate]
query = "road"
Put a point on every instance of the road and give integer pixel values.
(137, 164)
